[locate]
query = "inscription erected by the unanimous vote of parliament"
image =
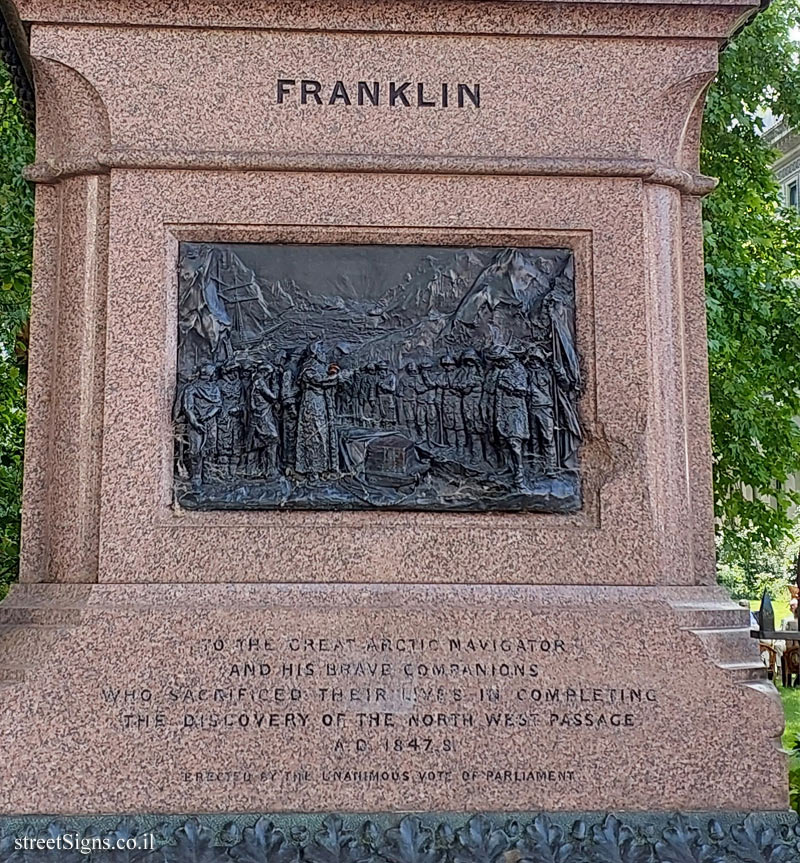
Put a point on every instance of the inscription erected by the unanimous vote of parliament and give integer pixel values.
(380, 710)
(352, 377)
(394, 94)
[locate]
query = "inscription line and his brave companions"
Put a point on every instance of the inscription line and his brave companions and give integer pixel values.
(409, 377)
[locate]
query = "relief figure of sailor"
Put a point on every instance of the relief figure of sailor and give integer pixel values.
(454, 434)
(316, 444)
(387, 395)
(263, 430)
(470, 384)
(511, 409)
(540, 410)
(407, 399)
(428, 404)
(202, 403)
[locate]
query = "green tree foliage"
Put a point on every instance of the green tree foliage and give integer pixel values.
(752, 247)
(764, 569)
(16, 231)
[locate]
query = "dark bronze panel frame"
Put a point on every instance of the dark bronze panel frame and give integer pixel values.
(578, 242)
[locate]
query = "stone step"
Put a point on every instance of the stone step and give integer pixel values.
(27, 616)
(710, 615)
(745, 671)
(730, 644)
(19, 645)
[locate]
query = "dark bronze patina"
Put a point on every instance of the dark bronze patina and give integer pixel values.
(352, 377)
(592, 837)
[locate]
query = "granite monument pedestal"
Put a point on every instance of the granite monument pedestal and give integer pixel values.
(368, 467)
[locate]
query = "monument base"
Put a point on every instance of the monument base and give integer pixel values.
(396, 698)
(562, 837)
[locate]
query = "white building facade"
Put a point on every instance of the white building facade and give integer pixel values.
(787, 171)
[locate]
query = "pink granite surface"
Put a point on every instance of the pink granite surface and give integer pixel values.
(250, 698)
(225, 83)
(684, 18)
(158, 123)
(623, 534)
(595, 172)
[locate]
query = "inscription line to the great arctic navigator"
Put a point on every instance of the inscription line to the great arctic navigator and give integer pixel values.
(309, 91)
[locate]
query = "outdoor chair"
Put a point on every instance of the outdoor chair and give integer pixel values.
(769, 658)
(790, 665)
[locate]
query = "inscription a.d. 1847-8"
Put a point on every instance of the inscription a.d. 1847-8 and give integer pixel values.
(324, 376)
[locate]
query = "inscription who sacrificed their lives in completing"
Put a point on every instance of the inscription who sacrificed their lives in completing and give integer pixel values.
(389, 709)
(354, 377)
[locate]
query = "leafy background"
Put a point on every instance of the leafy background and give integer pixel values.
(752, 246)
(16, 233)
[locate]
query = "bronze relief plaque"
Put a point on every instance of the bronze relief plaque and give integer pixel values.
(376, 376)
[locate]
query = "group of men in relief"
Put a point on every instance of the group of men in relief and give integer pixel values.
(250, 420)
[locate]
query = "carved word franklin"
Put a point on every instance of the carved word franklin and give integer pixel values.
(401, 94)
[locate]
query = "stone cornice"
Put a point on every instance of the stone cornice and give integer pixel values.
(632, 18)
(53, 170)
